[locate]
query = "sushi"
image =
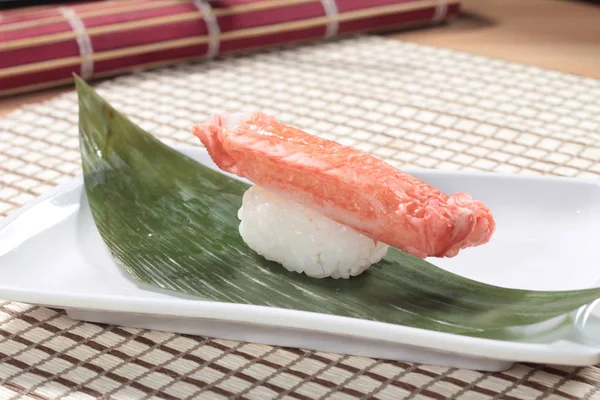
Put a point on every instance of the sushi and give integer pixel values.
(326, 209)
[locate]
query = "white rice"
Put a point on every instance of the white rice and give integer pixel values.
(303, 240)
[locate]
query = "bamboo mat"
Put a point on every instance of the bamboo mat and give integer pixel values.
(40, 49)
(409, 104)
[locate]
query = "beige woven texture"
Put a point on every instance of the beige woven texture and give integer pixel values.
(411, 105)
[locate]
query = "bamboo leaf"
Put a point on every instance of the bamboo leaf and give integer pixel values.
(171, 222)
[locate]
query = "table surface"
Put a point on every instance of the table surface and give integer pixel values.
(558, 34)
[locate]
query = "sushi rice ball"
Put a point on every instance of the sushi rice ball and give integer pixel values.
(303, 240)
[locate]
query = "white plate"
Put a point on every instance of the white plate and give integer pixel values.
(547, 237)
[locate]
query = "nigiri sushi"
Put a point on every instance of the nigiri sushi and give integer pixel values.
(299, 176)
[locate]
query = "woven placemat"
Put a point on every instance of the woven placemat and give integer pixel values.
(409, 104)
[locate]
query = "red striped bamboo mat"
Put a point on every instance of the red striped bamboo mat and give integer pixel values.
(411, 105)
(42, 47)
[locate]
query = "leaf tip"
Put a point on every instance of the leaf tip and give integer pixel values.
(79, 82)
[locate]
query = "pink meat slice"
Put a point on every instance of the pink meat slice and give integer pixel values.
(347, 185)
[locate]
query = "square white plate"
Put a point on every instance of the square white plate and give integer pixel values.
(547, 236)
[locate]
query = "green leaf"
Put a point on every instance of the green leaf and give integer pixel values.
(171, 222)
